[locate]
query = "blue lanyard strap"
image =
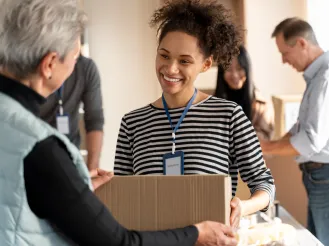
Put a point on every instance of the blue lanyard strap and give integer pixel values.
(60, 92)
(182, 116)
(60, 99)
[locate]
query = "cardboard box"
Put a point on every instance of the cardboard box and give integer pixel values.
(167, 202)
(286, 109)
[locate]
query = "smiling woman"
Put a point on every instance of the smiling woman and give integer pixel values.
(200, 133)
(236, 84)
(178, 63)
(46, 191)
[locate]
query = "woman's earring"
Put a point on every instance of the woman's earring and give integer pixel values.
(49, 78)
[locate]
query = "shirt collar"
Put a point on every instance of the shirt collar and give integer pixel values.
(315, 66)
(21, 93)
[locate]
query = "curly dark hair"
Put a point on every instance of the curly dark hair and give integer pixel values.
(210, 22)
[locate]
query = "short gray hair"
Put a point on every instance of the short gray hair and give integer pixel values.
(30, 29)
(295, 27)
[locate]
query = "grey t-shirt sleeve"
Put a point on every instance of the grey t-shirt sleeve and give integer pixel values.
(92, 99)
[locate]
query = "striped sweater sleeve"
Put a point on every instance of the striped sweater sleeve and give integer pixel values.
(247, 155)
(123, 164)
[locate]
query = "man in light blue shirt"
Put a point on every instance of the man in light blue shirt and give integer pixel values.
(309, 137)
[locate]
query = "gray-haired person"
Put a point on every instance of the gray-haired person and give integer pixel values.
(308, 139)
(46, 192)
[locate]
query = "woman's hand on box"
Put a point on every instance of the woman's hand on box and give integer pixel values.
(236, 212)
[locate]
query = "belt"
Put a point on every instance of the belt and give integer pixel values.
(307, 166)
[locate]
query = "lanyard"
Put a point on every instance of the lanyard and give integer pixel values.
(180, 119)
(60, 99)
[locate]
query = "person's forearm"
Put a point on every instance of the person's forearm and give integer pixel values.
(94, 147)
(258, 201)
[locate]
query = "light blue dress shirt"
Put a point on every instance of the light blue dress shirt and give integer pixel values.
(310, 135)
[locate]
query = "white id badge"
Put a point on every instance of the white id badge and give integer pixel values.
(63, 125)
(173, 164)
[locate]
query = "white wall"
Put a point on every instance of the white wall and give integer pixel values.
(270, 75)
(207, 80)
(123, 47)
(318, 17)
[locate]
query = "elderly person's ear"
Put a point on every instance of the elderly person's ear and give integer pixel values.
(48, 64)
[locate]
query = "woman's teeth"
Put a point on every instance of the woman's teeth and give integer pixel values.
(170, 79)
